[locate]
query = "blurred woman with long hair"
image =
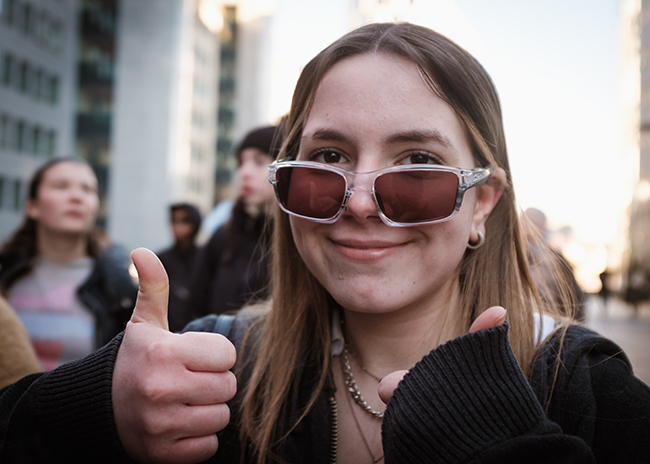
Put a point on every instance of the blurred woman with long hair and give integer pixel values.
(69, 295)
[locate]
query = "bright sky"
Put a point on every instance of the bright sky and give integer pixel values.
(556, 66)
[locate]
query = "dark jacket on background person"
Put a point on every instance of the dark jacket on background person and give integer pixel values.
(179, 264)
(109, 293)
(477, 407)
(232, 268)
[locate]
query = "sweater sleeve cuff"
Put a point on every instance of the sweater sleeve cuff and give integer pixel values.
(75, 405)
(459, 400)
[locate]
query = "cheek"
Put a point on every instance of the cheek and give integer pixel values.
(306, 239)
(94, 204)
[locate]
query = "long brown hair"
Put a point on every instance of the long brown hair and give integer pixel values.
(297, 328)
(22, 245)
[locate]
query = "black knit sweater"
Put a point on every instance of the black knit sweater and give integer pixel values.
(465, 402)
(468, 402)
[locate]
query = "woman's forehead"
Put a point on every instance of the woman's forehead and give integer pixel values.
(383, 95)
(69, 170)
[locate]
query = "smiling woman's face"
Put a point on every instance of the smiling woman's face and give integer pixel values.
(373, 111)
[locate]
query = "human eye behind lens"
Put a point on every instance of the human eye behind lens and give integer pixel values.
(420, 157)
(327, 156)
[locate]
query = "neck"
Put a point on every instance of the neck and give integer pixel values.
(384, 343)
(184, 244)
(61, 248)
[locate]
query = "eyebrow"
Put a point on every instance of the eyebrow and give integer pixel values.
(329, 134)
(420, 136)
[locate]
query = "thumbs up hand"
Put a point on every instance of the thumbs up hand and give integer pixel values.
(169, 390)
(490, 318)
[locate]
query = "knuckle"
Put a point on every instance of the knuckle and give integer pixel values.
(231, 385)
(227, 350)
(222, 416)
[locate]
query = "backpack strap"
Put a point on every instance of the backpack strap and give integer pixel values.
(223, 324)
(231, 326)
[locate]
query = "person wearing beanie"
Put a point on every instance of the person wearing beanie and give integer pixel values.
(232, 269)
(179, 260)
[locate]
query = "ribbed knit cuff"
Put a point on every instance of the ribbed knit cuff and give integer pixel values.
(459, 400)
(75, 409)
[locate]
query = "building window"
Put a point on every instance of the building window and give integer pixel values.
(7, 65)
(27, 18)
(51, 143)
(17, 195)
(9, 11)
(4, 131)
(20, 136)
(24, 76)
(53, 89)
(36, 135)
(38, 85)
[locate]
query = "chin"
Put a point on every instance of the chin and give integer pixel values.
(366, 303)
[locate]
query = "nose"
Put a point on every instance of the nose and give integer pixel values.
(361, 205)
(77, 193)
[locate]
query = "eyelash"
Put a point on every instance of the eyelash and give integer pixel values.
(324, 151)
(431, 156)
(435, 159)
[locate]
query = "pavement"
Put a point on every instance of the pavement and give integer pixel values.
(619, 322)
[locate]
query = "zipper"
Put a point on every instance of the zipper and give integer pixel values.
(334, 441)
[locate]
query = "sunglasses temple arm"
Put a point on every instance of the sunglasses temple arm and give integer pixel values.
(472, 179)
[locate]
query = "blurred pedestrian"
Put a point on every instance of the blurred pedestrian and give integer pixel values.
(604, 291)
(179, 261)
(217, 217)
(233, 266)
(70, 296)
(546, 263)
(17, 356)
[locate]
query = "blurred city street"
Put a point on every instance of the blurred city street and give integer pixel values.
(619, 323)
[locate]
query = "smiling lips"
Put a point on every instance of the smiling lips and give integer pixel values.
(366, 250)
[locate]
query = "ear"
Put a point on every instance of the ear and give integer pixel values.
(488, 197)
(32, 210)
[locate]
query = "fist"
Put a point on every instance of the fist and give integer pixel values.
(169, 390)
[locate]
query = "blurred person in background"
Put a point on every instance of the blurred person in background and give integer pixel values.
(546, 263)
(71, 297)
(232, 268)
(179, 260)
(17, 356)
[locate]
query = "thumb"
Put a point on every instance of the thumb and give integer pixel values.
(389, 383)
(153, 293)
(489, 319)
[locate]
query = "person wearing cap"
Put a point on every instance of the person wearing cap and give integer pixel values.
(232, 268)
(179, 260)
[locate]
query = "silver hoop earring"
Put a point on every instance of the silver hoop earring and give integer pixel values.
(479, 244)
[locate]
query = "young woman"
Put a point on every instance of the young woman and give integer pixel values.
(402, 228)
(70, 297)
(397, 249)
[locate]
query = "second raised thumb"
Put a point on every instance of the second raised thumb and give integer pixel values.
(153, 293)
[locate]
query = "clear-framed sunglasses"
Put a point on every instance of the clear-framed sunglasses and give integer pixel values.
(405, 195)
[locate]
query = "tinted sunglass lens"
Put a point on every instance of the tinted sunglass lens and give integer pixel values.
(311, 192)
(416, 196)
